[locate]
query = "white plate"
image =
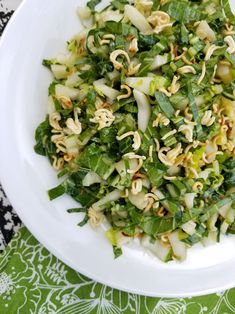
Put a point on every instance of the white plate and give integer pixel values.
(39, 30)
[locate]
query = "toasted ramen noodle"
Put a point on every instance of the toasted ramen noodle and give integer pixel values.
(103, 117)
(95, 218)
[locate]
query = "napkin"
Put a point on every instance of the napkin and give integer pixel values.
(32, 280)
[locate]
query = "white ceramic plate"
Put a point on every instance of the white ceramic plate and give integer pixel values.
(39, 30)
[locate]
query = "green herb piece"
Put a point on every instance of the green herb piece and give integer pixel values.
(164, 104)
(117, 251)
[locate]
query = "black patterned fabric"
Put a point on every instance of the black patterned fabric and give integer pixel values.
(9, 221)
(4, 18)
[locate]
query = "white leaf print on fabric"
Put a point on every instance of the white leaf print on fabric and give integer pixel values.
(4, 199)
(6, 284)
(170, 306)
(56, 272)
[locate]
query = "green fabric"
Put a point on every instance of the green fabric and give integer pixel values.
(32, 280)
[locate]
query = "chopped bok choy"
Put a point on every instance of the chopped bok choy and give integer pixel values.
(141, 123)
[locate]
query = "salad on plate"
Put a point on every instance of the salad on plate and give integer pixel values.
(140, 122)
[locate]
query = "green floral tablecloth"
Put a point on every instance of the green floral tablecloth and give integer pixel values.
(32, 281)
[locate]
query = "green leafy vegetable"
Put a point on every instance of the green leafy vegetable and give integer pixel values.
(43, 145)
(164, 104)
(96, 160)
(74, 187)
(227, 10)
(93, 3)
(117, 251)
(183, 11)
(155, 226)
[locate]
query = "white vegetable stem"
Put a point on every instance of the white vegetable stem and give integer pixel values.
(61, 90)
(50, 105)
(121, 166)
(90, 178)
(142, 84)
(189, 199)
(73, 80)
(138, 200)
(110, 15)
(211, 239)
(205, 32)
(159, 61)
(110, 197)
(144, 109)
(223, 211)
(178, 247)
(212, 221)
(137, 19)
(228, 221)
(71, 144)
(85, 16)
(161, 196)
(67, 58)
(156, 248)
(189, 227)
(105, 90)
(59, 71)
